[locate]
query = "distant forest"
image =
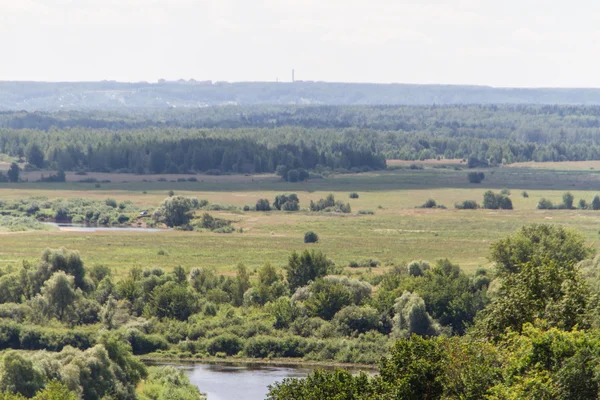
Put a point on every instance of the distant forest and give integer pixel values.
(256, 139)
(109, 95)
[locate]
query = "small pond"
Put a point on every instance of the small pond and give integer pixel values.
(88, 228)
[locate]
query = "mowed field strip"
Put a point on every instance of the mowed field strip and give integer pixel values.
(397, 232)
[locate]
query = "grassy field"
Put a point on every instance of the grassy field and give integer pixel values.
(397, 232)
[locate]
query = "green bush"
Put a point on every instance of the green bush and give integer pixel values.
(311, 237)
(354, 195)
(467, 205)
(227, 343)
(475, 177)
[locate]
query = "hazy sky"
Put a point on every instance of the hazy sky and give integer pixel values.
(489, 42)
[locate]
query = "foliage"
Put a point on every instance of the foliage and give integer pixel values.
(467, 205)
(329, 204)
(305, 267)
(167, 383)
(263, 205)
(311, 237)
(475, 177)
(287, 202)
(174, 211)
(493, 201)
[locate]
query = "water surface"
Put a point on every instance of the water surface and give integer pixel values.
(244, 382)
(88, 228)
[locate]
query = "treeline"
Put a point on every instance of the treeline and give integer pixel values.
(492, 134)
(180, 151)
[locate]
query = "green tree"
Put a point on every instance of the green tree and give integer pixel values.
(537, 242)
(567, 200)
(34, 155)
(55, 391)
(13, 172)
(59, 292)
(18, 375)
(171, 301)
(305, 267)
(413, 371)
(596, 203)
(327, 298)
(174, 211)
(490, 201)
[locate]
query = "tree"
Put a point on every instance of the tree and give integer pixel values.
(489, 200)
(59, 292)
(596, 203)
(568, 200)
(13, 172)
(413, 371)
(411, 317)
(241, 285)
(327, 298)
(539, 280)
(537, 242)
(174, 211)
(171, 301)
(306, 267)
(19, 375)
(35, 156)
(55, 391)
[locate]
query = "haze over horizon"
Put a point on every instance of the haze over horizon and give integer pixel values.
(527, 43)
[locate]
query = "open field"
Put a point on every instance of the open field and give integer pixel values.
(560, 166)
(397, 232)
(390, 180)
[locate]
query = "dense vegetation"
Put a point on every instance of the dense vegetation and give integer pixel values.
(537, 337)
(448, 324)
(297, 139)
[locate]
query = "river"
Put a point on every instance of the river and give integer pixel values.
(232, 382)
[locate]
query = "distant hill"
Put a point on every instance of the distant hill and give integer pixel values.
(192, 94)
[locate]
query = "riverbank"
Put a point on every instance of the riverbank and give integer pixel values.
(279, 362)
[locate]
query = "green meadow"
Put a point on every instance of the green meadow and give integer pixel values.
(397, 231)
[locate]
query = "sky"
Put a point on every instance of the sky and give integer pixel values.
(507, 43)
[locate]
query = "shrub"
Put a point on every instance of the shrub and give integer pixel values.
(353, 320)
(525, 194)
(429, 204)
(330, 205)
(227, 343)
(366, 212)
(111, 203)
(263, 205)
(467, 205)
(311, 237)
(287, 202)
(246, 208)
(354, 195)
(492, 201)
(267, 346)
(545, 204)
(505, 192)
(475, 177)
(418, 268)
